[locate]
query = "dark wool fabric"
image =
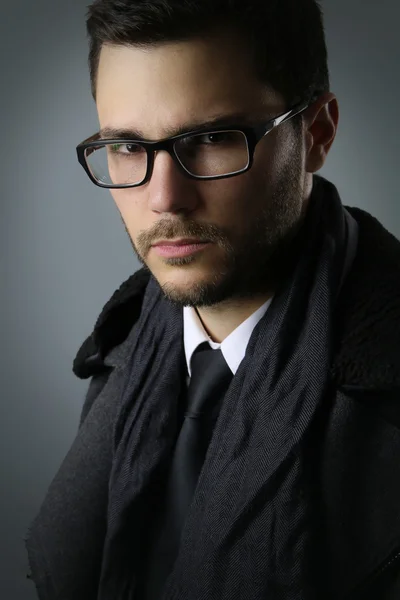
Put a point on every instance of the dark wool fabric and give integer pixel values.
(249, 529)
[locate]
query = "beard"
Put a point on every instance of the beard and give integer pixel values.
(256, 263)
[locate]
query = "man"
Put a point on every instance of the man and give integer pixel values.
(240, 436)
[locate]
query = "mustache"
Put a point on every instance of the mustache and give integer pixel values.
(170, 230)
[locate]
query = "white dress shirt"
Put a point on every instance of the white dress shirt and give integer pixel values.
(233, 347)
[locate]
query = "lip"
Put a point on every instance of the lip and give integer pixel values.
(179, 250)
(181, 242)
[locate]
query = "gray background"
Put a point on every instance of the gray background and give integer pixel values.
(64, 251)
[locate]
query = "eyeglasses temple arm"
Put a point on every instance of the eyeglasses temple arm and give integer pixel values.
(290, 114)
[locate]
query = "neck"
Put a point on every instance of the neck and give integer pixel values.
(219, 321)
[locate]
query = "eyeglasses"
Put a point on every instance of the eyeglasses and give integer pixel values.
(211, 154)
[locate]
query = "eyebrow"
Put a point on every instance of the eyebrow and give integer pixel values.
(138, 134)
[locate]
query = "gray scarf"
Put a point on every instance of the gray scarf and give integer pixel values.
(252, 528)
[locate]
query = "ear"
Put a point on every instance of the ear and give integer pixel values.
(321, 121)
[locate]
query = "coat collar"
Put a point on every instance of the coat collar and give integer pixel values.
(368, 330)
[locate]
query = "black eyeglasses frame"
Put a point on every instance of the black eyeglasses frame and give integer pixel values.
(253, 136)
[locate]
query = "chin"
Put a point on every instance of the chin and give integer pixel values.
(196, 290)
(176, 281)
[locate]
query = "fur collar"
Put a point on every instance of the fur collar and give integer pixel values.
(368, 331)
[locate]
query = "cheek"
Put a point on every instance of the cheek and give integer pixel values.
(266, 166)
(123, 199)
(233, 204)
(226, 198)
(130, 209)
(272, 156)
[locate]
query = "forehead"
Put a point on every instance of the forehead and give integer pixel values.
(167, 85)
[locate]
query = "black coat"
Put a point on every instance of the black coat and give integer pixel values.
(355, 454)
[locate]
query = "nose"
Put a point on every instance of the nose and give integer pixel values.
(169, 189)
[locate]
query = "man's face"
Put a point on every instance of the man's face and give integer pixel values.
(249, 219)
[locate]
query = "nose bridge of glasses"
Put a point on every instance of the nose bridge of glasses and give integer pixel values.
(167, 146)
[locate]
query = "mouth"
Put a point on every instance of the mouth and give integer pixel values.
(180, 242)
(179, 248)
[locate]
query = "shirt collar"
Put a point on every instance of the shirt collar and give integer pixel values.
(233, 347)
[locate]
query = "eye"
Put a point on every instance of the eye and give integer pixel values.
(126, 149)
(218, 137)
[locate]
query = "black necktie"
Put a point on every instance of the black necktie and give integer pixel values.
(209, 382)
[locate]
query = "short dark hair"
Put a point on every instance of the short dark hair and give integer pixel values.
(286, 38)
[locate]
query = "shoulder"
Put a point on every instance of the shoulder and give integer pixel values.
(367, 315)
(112, 326)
